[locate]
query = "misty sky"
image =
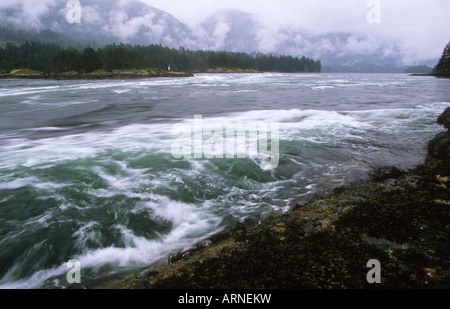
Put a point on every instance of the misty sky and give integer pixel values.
(418, 28)
(418, 25)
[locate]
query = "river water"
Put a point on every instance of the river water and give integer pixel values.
(87, 169)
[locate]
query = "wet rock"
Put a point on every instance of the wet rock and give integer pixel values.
(239, 231)
(251, 221)
(444, 118)
(439, 147)
(388, 172)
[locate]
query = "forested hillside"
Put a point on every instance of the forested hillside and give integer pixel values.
(51, 58)
(443, 66)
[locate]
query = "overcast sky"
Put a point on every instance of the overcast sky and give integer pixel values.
(419, 25)
(419, 28)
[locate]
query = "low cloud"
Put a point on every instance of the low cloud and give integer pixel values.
(419, 28)
(416, 30)
(25, 13)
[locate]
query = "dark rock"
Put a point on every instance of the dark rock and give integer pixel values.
(218, 237)
(439, 147)
(251, 221)
(388, 172)
(152, 273)
(444, 118)
(239, 231)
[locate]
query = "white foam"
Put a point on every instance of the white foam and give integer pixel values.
(322, 87)
(35, 281)
(120, 91)
(188, 221)
(16, 183)
(47, 129)
(27, 90)
(190, 224)
(141, 138)
(87, 233)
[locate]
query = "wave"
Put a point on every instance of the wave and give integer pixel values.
(313, 81)
(139, 138)
(124, 202)
(191, 223)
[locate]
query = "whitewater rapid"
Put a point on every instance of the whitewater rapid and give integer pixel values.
(87, 170)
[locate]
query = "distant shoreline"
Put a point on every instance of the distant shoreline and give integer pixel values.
(431, 74)
(142, 74)
(145, 73)
(125, 74)
(96, 75)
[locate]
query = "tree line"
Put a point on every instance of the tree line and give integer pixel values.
(443, 66)
(51, 58)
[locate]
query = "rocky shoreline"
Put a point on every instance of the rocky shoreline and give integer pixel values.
(439, 75)
(96, 75)
(400, 218)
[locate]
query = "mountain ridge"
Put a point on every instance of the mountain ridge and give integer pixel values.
(135, 22)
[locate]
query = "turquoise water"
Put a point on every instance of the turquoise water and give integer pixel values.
(87, 171)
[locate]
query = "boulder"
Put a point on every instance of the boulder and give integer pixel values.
(388, 172)
(444, 118)
(439, 147)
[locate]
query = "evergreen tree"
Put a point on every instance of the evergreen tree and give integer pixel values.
(443, 66)
(91, 61)
(35, 56)
(51, 58)
(67, 60)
